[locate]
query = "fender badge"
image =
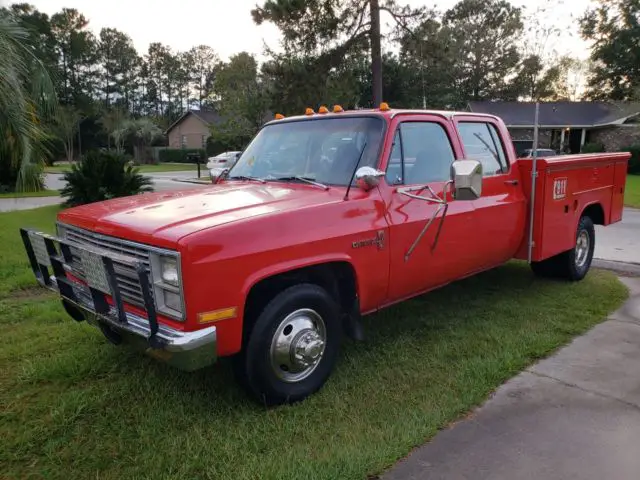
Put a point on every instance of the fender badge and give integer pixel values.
(378, 241)
(560, 188)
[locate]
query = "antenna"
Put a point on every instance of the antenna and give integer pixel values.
(346, 195)
(534, 174)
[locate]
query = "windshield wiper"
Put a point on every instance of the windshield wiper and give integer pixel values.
(308, 180)
(246, 177)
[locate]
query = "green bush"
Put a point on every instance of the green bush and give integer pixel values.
(634, 161)
(102, 175)
(217, 145)
(179, 155)
(594, 147)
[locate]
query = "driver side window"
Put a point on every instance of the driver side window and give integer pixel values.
(422, 153)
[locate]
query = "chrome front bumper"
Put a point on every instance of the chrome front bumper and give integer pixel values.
(100, 304)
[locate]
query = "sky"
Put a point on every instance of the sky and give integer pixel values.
(226, 25)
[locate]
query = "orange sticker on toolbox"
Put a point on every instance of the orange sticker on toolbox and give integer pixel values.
(559, 188)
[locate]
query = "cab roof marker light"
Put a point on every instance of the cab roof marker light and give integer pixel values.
(384, 107)
(279, 116)
(323, 109)
(337, 109)
(309, 111)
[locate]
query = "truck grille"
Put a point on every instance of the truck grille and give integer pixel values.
(126, 275)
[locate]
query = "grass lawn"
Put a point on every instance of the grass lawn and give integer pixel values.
(632, 192)
(162, 167)
(74, 406)
(43, 193)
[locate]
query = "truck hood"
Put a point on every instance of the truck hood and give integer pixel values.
(164, 217)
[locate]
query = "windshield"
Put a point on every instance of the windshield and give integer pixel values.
(324, 150)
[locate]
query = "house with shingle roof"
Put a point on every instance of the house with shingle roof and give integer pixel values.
(192, 129)
(568, 126)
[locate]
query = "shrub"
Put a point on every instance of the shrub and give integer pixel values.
(179, 155)
(103, 175)
(594, 147)
(216, 145)
(634, 161)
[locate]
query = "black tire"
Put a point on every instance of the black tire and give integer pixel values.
(572, 265)
(254, 365)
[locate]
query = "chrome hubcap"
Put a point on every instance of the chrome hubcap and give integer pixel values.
(582, 248)
(298, 345)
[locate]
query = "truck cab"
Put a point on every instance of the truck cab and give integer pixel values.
(324, 218)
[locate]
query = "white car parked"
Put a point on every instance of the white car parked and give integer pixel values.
(223, 160)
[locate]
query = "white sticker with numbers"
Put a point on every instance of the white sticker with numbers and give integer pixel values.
(559, 188)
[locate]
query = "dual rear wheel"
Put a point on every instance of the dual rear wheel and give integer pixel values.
(574, 264)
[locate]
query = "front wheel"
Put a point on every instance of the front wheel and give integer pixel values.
(573, 264)
(292, 347)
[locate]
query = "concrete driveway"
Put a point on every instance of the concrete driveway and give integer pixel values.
(575, 415)
(620, 242)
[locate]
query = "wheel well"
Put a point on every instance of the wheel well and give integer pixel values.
(337, 278)
(595, 212)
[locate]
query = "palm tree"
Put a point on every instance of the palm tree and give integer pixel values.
(143, 132)
(27, 94)
(112, 122)
(65, 125)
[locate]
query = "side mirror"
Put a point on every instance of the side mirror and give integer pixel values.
(466, 176)
(218, 174)
(367, 178)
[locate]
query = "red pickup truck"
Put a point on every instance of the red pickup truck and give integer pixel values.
(325, 217)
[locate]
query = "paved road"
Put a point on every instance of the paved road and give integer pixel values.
(11, 204)
(575, 415)
(161, 181)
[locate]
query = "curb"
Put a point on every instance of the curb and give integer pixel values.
(184, 180)
(622, 268)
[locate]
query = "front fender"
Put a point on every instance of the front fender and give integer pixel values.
(290, 265)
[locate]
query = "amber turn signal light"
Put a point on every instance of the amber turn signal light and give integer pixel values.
(217, 315)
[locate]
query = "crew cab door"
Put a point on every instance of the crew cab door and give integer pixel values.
(500, 213)
(420, 157)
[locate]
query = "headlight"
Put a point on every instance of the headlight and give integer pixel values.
(61, 230)
(169, 267)
(172, 300)
(167, 284)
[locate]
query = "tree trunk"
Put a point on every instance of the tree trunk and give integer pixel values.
(376, 52)
(79, 141)
(68, 147)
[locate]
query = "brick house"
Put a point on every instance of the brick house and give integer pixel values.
(192, 129)
(568, 126)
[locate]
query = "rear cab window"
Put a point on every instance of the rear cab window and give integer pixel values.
(481, 141)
